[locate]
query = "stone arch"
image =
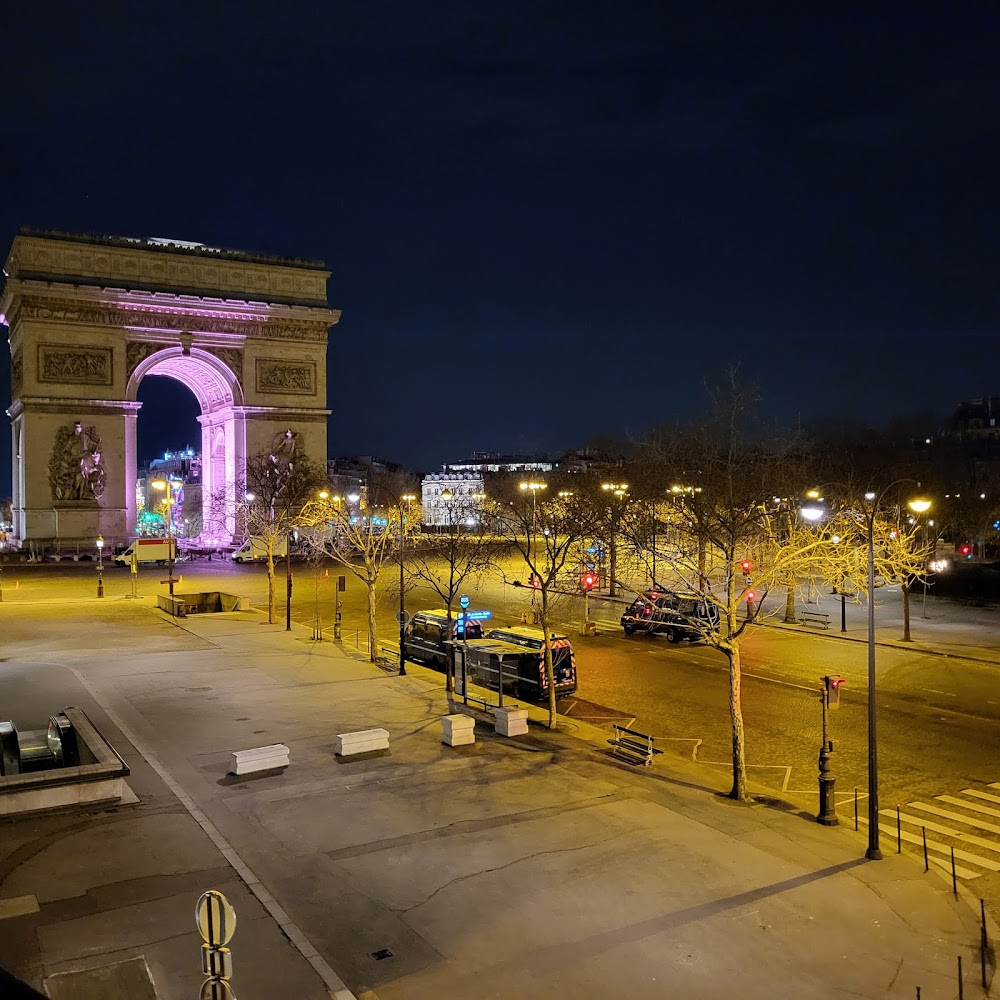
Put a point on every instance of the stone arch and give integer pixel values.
(219, 393)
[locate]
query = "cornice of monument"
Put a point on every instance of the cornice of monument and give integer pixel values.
(143, 312)
(153, 265)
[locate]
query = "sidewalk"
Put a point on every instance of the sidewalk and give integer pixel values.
(522, 868)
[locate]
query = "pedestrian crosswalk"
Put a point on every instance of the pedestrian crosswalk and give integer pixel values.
(967, 823)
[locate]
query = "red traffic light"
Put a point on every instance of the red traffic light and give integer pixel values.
(751, 596)
(966, 551)
(587, 581)
(535, 582)
(746, 565)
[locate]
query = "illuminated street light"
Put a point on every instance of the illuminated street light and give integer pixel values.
(620, 491)
(406, 498)
(165, 484)
(100, 565)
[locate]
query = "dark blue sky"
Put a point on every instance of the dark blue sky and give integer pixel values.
(545, 220)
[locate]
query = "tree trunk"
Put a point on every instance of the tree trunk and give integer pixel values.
(549, 671)
(371, 621)
(905, 588)
(270, 582)
(790, 604)
(739, 791)
(702, 578)
(612, 583)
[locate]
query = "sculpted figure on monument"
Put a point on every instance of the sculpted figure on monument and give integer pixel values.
(76, 471)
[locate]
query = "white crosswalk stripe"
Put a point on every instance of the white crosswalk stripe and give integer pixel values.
(967, 822)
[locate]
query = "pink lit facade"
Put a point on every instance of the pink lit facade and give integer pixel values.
(89, 318)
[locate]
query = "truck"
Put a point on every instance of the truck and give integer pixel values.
(255, 550)
(677, 616)
(148, 550)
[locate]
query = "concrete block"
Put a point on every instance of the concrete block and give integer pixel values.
(259, 759)
(458, 730)
(511, 721)
(363, 741)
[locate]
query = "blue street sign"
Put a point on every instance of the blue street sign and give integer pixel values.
(464, 600)
(478, 616)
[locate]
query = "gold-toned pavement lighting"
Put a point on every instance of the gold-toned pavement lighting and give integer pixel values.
(100, 565)
(165, 484)
(406, 498)
(619, 491)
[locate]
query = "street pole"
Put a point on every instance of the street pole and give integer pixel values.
(288, 581)
(827, 783)
(170, 542)
(653, 581)
(873, 853)
(402, 595)
(100, 566)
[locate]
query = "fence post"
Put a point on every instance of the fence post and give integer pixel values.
(961, 989)
(899, 834)
(954, 877)
(855, 810)
(927, 864)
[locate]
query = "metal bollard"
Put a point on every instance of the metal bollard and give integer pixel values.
(983, 939)
(954, 877)
(899, 834)
(855, 810)
(961, 989)
(927, 863)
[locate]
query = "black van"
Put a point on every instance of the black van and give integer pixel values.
(426, 635)
(677, 616)
(517, 654)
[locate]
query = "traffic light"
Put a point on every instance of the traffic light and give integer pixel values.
(535, 581)
(966, 551)
(746, 566)
(751, 597)
(832, 685)
(588, 581)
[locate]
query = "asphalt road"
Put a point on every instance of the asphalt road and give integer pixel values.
(938, 718)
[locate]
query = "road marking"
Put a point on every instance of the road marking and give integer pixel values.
(981, 795)
(966, 838)
(934, 845)
(977, 824)
(952, 800)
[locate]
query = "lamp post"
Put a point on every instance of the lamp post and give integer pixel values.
(618, 490)
(533, 487)
(100, 565)
(165, 484)
(407, 498)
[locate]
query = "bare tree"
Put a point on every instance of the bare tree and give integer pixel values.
(360, 536)
(266, 506)
(446, 562)
(547, 531)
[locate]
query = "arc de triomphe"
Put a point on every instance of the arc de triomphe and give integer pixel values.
(89, 317)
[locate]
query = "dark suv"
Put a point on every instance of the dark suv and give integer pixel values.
(677, 616)
(427, 634)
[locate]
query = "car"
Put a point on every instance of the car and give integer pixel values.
(427, 636)
(677, 616)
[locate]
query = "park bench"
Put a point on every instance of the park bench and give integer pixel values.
(362, 741)
(819, 618)
(267, 758)
(636, 748)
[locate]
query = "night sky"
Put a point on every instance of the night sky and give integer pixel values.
(545, 221)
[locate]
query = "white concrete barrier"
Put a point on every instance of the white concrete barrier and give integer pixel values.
(259, 759)
(458, 730)
(363, 741)
(511, 721)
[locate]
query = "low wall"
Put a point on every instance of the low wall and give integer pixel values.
(208, 602)
(98, 778)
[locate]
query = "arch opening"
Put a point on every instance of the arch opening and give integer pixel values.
(219, 397)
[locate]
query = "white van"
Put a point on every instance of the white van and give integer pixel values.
(148, 550)
(255, 550)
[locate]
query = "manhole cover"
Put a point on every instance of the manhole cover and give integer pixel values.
(381, 953)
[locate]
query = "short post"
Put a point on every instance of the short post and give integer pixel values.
(855, 809)
(961, 988)
(843, 613)
(899, 833)
(927, 863)
(100, 565)
(954, 877)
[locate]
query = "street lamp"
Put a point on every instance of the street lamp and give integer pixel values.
(100, 565)
(406, 498)
(165, 484)
(618, 490)
(533, 487)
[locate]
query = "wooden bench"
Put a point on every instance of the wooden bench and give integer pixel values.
(363, 741)
(636, 748)
(820, 618)
(260, 759)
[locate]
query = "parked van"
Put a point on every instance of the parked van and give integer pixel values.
(518, 654)
(677, 616)
(148, 550)
(427, 634)
(255, 550)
